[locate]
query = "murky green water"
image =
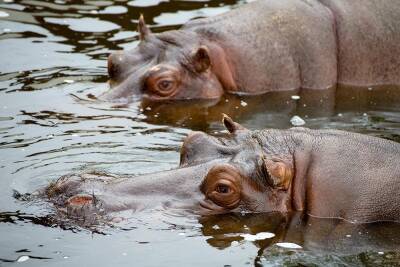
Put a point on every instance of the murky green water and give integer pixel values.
(54, 59)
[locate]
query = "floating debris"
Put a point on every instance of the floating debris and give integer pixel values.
(297, 121)
(258, 236)
(288, 245)
(243, 104)
(23, 258)
(295, 97)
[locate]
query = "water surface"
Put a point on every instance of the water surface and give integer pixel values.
(54, 60)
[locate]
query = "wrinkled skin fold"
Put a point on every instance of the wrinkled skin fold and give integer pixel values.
(324, 173)
(264, 46)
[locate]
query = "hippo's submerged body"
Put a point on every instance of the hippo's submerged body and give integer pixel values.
(265, 46)
(324, 173)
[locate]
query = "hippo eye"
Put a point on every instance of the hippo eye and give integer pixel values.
(222, 185)
(223, 189)
(165, 85)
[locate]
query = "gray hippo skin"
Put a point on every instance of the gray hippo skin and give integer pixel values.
(264, 46)
(324, 173)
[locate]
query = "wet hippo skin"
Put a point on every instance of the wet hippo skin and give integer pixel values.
(324, 173)
(264, 46)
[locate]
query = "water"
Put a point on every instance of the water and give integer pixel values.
(53, 63)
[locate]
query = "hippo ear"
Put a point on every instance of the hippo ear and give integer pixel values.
(230, 125)
(201, 59)
(279, 174)
(143, 30)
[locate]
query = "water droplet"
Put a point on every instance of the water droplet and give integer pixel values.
(295, 97)
(148, 108)
(216, 227)
(297, 121)
(381, 253)
(69, 81)
(340, 115)
(243, 104)
(65, 257)
(348, 235)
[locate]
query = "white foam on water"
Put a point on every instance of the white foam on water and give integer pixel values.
(288, 245)
(258, 236)
(23, 258)
(297, 121)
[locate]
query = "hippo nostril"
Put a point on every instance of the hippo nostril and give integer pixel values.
(80, 200)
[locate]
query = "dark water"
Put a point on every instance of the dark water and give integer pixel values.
(53, 59)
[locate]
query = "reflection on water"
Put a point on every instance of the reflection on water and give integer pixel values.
(54, 64)
(322, 241)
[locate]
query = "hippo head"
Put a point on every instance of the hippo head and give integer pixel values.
(246, 176)
(246, 171)
(171, 65)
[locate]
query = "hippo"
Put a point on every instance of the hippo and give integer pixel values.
(323, 173)
(263, 46)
